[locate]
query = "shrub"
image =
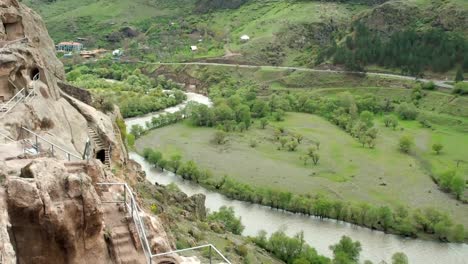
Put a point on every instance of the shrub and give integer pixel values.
(428, 85)
(437, 148)
(461, 88)
(131, 140)
(253, 143)
(407, 111)
(226, 216)
(242, 250)
(406, 143)
(220, 137)
(154, 208)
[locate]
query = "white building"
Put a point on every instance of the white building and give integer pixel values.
(193, 48)
(245, 38)
(117, 53)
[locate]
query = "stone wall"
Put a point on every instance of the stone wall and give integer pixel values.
(76, 92)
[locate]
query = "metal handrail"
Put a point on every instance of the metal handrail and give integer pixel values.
(192, 248)
(30, 95)
(13, 99)
(135, 217)
(69, 154)
(134, 209)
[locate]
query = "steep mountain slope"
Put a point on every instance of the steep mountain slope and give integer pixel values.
(281, 32)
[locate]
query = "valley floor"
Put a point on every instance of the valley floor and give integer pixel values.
(346, 170)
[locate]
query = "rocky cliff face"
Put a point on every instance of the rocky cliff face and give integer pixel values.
(52, 210)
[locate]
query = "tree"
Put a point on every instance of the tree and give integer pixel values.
(154, 157)
(263, 122)
(315, 158)
(399, 258)
(137, 130)
(241, 127)
(347, 248)
(457, 186)
(304, 158)
(458, 233)
(283, 141)
(406, 143)
(292, 145)
(459, 76)
(243, 115)
(437, 148)
(299, 137)
(220, 137)
(387, 120)
(407, 111)
(278, 115)
(367, 118)
(390, 121)
(227, 217)
(175, 161)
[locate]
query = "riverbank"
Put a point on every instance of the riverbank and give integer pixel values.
(319, 233)
(427, 223)
(373, 246)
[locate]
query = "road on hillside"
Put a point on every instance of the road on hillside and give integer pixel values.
(438, 83)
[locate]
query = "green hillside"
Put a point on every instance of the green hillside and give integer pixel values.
(305, 33)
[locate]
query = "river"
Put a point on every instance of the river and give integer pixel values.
(320, 234)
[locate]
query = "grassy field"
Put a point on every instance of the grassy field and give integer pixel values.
(346, 170)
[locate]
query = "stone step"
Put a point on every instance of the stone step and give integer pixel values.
(122, 242)
(120, 232)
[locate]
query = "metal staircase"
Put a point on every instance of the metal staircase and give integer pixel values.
(99, 145)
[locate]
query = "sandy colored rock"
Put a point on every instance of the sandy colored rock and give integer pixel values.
(56, 216)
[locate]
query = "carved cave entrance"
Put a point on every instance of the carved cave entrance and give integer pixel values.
(101, 155)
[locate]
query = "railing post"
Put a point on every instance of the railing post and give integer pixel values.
(125, 196)
(52, 150)
(68, 155)
(37, 146)
(210, 253)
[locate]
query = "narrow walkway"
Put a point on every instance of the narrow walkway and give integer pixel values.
(117, 224)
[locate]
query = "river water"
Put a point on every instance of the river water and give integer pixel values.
(320, 234)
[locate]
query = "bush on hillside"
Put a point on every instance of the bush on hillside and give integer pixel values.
(407, 111)
(461, 88)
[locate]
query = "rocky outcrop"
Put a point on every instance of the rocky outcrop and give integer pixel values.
(55, 216)
(76, 92)
(52, 210)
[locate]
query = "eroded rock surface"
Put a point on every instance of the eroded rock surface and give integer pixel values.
(51, 209)
(55, 216)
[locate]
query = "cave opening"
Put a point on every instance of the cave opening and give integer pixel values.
(34, 74)
(14, 30)
(101, 155)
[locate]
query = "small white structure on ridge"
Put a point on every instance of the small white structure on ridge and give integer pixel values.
(245, 38)
(193, 48)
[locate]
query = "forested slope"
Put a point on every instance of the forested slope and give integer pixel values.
(411, 37)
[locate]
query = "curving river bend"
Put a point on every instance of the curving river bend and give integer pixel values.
(318, 233)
